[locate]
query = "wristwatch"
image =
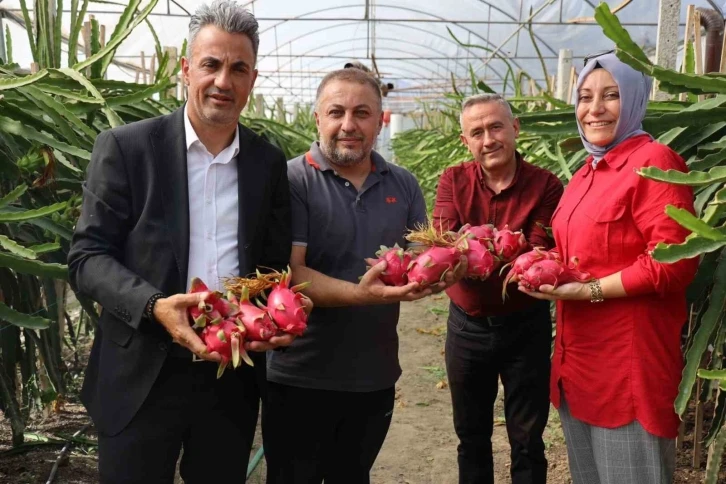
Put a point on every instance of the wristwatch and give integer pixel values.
(149, 310)
(596, 291)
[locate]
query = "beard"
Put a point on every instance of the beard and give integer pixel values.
(345, 157)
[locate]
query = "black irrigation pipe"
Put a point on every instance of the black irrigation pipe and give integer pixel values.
(64, 451)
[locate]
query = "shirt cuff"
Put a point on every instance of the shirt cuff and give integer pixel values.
(635, 281)
(299, 243)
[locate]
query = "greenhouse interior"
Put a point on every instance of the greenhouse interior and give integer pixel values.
(574, 149)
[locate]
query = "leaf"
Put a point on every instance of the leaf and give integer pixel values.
(716, 456)
(29, 23)
(612, 28)
(712, 374)
(684, 118)
(21, 319)
(17, 249)
(483, 87)
(694, 224)
(17, 128)
(673, 81)
(703, 334)
(13, 195)
(693, 178)
(34, 267)
(139, 96)
(692, 247)
(123, 22)
(24, 215)
(114, 42)
(8, 45)
(43, 248)
(15, 82)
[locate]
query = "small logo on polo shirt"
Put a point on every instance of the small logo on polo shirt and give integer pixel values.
(391, 200)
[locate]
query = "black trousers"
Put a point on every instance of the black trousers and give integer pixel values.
(516, 348)
(311, 436)
(212, 420)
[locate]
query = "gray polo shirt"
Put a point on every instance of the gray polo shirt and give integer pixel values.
(352, 348)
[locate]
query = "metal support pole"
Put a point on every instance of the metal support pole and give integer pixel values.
(666, 50)
(564, 65)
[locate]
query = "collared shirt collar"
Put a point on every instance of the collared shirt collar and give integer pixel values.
(317, 160)
(191, 137)
(481, 178)
(616, 157)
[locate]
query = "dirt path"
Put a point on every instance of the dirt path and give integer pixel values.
(421, 444)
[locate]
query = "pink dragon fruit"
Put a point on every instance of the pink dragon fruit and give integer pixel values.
(481, 262)
(507, 243)
(285, 306)
(525, 261)
(553, 272)
(213, 309)
(486, 231)
(256, 321)
(432, 265)
(397, 261)
(226, 338)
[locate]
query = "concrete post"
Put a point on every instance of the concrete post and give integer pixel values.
(666, 50)
(564, 65)
(396, 124)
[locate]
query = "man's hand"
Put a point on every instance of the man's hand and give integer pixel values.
(452, 277)
(171, 312)
(374, 291)
(283, 339)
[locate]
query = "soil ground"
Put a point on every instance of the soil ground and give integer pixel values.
(420, 447)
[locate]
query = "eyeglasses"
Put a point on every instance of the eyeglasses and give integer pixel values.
(596, 54)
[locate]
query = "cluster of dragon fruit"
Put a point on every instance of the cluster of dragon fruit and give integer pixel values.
(486, 249)
(225, 323)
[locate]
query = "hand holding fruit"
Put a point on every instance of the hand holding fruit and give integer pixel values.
(572, 291)
(374, 291)
(171, 312)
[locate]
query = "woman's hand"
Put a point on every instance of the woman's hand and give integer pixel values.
(572, 291)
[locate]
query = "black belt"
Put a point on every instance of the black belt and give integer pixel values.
(501, 320)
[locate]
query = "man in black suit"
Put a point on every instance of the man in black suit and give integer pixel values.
(193, 193)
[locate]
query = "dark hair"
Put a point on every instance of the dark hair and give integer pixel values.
(351, 74)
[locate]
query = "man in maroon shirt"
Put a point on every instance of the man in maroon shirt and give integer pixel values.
(488, 338)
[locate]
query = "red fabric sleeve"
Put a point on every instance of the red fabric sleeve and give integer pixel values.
(542, 215)
(445, 215)
(646, 275)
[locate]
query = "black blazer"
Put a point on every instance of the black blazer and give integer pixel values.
(132, 241)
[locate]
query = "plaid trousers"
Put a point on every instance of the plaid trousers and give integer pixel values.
(624, 455)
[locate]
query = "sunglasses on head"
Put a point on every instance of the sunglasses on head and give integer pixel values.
(596, 54)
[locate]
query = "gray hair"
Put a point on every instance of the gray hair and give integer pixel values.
(351, 74)
(228, 16)
(483, 99)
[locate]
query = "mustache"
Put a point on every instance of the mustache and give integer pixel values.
(497, 148)
(356, 137)
(213, 90)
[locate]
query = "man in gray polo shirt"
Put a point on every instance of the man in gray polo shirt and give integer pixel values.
(330, 394)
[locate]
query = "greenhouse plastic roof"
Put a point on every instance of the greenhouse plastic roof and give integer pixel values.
(412, 41)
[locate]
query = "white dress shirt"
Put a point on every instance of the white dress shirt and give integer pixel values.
(213, 210)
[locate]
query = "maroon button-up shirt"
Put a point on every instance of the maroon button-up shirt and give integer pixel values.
(463, 197)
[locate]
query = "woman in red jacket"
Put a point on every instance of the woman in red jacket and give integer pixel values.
(617, 360)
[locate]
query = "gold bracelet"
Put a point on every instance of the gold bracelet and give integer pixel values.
(596, 291)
